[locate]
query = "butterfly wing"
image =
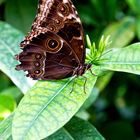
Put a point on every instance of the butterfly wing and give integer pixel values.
(56, 39)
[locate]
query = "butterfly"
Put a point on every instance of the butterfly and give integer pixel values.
(54, 49)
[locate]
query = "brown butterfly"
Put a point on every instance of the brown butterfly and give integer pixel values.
(54, 49)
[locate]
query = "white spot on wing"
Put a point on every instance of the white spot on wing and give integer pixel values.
(70, 16)
(65, 1)
(81, 46)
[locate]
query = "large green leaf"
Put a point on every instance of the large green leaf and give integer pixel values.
(6, 128)
(123, 59)
(9, 42)
(93, 96)
(61, 134)
(20, 13)
(76, 129)
(121, 33)
(82, 130)
(49, 105)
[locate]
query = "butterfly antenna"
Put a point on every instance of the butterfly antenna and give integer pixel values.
(92, 72)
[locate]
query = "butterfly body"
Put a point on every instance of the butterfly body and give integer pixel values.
(54, 49)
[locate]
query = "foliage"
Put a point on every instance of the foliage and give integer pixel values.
(54, 110)
(96, 52)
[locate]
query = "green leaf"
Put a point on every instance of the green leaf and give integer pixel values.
(121, 33)
(76, 129)
(10, 138)
(138, 27)
(6, 128)
(4, 112)
(123, 59)
(83, 114)
(82, 130)
(1, 1)
(103, 80)
(134, 5)
(49, 105)
(91, 99)
(9, 46)
(7, 106)
(61, 134)
(20, 13)
(94, 54)
(13, 92)
(4, 81)
(7, 102)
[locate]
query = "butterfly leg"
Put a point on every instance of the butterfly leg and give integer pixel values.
(73, 83)
(84, 87)
(92, 72)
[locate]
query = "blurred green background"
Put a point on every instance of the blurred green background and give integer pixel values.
(116, 112)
